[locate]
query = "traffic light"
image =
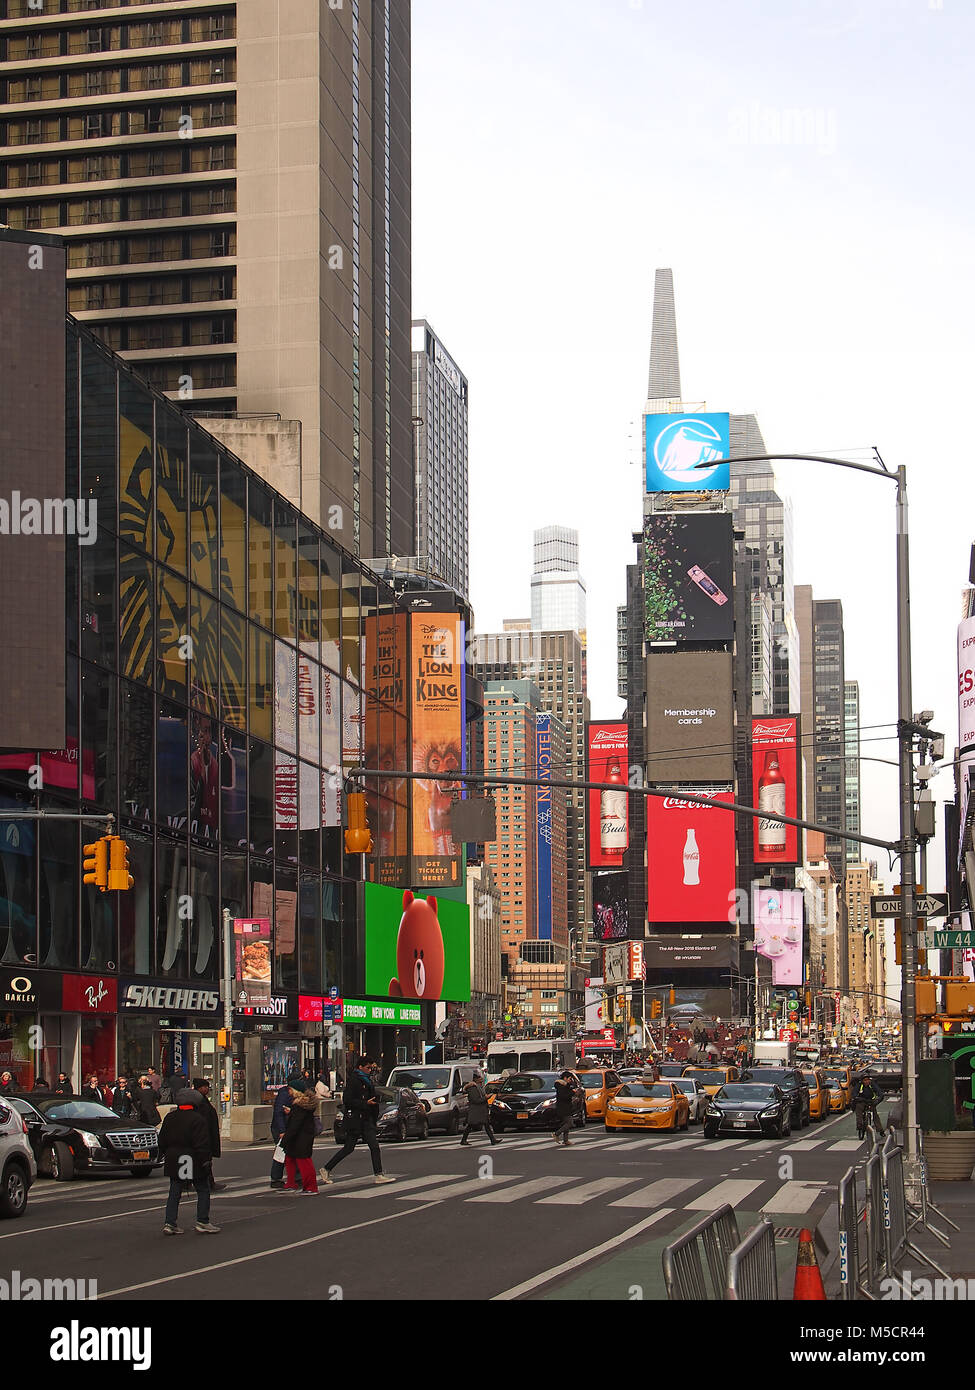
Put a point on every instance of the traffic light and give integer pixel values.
(656, 1008)
(672, 998)
(95, 864)
(223, 1037)
(119, 878)
(358, 839)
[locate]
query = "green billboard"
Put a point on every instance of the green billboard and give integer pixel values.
(416, 948)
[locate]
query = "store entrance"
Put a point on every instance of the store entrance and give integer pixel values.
(190, 1050)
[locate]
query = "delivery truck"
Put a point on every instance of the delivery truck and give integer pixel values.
(780, 1054)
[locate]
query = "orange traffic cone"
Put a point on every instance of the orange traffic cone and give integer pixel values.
(809, 1281)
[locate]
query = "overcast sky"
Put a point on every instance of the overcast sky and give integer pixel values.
(804, 167)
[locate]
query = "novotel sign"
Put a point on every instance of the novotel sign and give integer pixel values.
(169, 998)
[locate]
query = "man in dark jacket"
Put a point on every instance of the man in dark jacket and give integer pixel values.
(94, 1091)
(122, 1102)
(144, 1101)
(184, 1141)
(63, 1086)
(213, 1123)
(279, 1123)
(361, 1106)
(171, 1086)
(564, 1108)
(478, 1110)
(865, 1098)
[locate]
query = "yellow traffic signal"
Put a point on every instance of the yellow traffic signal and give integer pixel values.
(358, 839)
(95, 864)
(672, 998)
(223, 1037)
(119, 878)
(656, 1008)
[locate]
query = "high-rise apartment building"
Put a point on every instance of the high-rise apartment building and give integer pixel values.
(440, 435)
(851, 751)
(233, 184)
(558, 589)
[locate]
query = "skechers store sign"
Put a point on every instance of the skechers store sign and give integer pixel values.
(177, 999)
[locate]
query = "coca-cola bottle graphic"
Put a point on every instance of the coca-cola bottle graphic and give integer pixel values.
(771, 797)
(692, 859)
(612, 812)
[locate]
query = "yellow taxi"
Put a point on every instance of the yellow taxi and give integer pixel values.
(711, 1078)
(599, 1086)
(818, 1088)
(840, 1083)
(648, 1105)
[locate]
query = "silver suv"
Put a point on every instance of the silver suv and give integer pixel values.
(17, 1167)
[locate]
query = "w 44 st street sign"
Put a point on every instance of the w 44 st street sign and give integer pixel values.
(946, 940)
(926, 905)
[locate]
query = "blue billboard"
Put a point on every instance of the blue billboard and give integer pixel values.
(677, 444)
(543, 760)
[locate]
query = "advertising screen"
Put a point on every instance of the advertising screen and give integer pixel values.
(775, 786)
(690, 735)
(966, 689)
(610, 913)
(688, 577)
(676, 444)
(543, 834)
(438, 744)
(689, 952)
(594, 1005)
(607, 829)
(691, 860)
(252, 956)
(416, 948)
(387, 667)
(778, 932)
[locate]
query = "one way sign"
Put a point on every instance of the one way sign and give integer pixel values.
(927, 905)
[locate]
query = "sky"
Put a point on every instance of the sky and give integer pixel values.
(803, 166)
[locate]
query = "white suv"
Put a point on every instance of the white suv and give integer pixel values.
(17, 1167)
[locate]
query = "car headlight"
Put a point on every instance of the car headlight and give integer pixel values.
(389, 1115)
(90, 1141)
(770, 1113)
(440, 1100)
(546, 1103)
(500, 1105)
(713, 1112)
(613, 1106)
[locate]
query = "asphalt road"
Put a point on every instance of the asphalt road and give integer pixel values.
(523, 1220)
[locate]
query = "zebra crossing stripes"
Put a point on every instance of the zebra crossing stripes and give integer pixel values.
(732, 1190)
(576, 1196)
(794, 1197)
(521, 1189)
(845, 1146)
(657, 1193)
(414, 1183)
(458, 1189)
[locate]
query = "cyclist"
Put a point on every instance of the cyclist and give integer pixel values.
(865, 1099)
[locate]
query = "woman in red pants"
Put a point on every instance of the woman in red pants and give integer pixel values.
(298, 1140)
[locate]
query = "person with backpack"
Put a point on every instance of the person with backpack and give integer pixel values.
(865, 1099)
(361, 1106)
(184, 1141)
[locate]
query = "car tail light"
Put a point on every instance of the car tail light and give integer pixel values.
(23, 1125)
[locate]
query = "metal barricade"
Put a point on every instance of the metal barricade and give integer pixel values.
(895, 1205)
(752, 1271)
(715, 1237)
(874, 1221)
(849, 1252)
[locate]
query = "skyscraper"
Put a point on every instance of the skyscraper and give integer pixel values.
(851, 749)
(233, 185)
(440, 426)
(558, 589)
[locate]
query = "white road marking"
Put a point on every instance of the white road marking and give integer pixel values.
(846, 1145)
(795, 1197)
(522, 1189)
(576, 1196)
(548, 1275)
(390, 1189)
(663, 1190)
(725, 1143)
(733, 1191)
(455, 1188)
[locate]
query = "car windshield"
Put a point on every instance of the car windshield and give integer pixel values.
(658, 1091)
(839, 1076)
(747, 1092)
(22, 1106)
(785, 1079)
(79, 1110)
(522, 1085)
(592, 1080)
(687, 1084)
(422, 1078)
(498, 1062)
(707, 1076)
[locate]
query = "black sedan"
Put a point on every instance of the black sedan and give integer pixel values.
(748, 1107)
(70, 1136)
(527, 1101)
(792, 1082)
(399, 1114)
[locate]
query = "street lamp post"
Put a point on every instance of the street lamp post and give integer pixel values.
(906, 729)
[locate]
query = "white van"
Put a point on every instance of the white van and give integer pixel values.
(530, 1054)
(440, 1087)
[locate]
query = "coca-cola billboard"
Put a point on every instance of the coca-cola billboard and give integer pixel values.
(607, 822)
(775, 787)
(690, 859)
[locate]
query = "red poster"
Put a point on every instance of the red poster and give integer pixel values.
(607, 819)
(691, 860)
(89, 994)
(310, 1008)
(775, 787)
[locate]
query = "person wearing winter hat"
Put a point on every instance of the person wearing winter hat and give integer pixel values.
(299, 1140)
(184, 1141)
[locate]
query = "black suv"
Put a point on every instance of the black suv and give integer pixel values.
(793, 1083)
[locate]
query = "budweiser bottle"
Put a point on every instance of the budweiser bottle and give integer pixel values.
(612, 813)
(771, 797)
(692, 859)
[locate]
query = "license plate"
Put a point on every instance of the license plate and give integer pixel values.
(141, 1153)
(739, 1124)
(521, 1115)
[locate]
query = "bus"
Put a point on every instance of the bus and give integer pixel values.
(594, 1052)
(530, 1054)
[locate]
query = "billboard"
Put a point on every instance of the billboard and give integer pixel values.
(776, 764)
(691, 859)
(966, 689)
(437, 695)
(689, 952)
(616, 965)
(543, 831)
(387, 666)
(688, 576)
(676, 444)
(607, 828)
(416, 948)
(610, 913)
(778, 932)
(594, 1004)
(35, 515)
(690, 728)
(252, 957)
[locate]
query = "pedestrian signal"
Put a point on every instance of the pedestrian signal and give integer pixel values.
(95, 864)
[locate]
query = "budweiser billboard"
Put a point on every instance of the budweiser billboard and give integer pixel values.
(691, 859)
(775, 787)
(607, 825)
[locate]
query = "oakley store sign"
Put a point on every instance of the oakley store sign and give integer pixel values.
(29, 990)
(141, 997)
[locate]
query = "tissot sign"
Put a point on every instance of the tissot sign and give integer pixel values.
(690, 859)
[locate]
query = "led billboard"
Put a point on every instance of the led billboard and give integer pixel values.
(437, 697)
(688, 577)
(610, 911)
(690, 731)
(543, 826)
(776, 765)
(607, 828)
(691, 860)
(677, 444)
(387, 666)
(690, 952)
(416, 948)
(778, 932)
